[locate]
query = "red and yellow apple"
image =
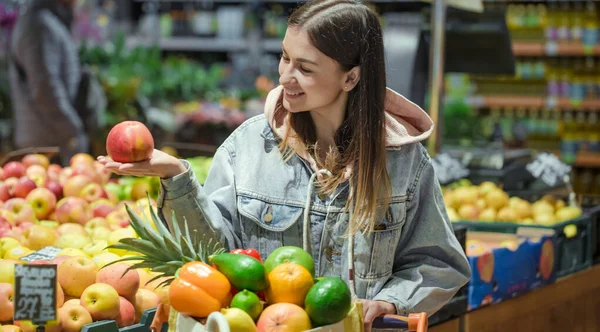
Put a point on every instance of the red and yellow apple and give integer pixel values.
(35, 159)
(144, 299)
(73, 209)
(13, 169)
(43, 202)
(81, 158)
(71, 228)
(38, 174)
(75, 184)
(126, 284)
(24, 186)
(37, 237)
(102, 207)
(92, 192)
(283, 317)
(129, 141)
(126, 315)
(7, 306)
(22, 210)
(76, 274)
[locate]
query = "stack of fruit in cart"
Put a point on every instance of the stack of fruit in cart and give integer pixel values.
(81, 211)
(279, 293)
(488, 202)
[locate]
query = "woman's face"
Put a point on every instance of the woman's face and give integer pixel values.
(310, 79)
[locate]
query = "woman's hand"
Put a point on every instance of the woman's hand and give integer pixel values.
(374, 309)
(160, 164)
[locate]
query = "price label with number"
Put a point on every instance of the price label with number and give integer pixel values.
(35, 293)
(448, 169)
(548, 168)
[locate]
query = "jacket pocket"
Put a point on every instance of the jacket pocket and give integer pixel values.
(382, 243)
(269, 225)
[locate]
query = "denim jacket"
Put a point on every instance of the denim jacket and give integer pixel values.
(252, 198)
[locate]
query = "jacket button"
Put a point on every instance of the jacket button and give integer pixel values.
(268, 218)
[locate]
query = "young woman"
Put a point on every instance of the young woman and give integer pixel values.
(334, 165)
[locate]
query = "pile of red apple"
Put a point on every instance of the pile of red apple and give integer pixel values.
(87, 293)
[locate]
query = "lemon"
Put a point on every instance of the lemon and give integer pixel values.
(238, 320)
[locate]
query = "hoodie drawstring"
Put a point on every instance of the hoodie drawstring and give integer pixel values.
(306, 242)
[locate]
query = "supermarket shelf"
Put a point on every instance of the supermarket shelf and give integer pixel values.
(272, 45)
(192, 44)
(587, 159)
(553, 49)
(563, 104)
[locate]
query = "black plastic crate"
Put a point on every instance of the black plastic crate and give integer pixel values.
(111, 325)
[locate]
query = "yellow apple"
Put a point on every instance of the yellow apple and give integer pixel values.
(104, 258)
(7, 271)
(101, 301)
(8, 243)
(145, 299)
(73, 318)
(76, 241)
(17, 252)
(95, 248)
(100, 233)
(71, 252)
(119, 234)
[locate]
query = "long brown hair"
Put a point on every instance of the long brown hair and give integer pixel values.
(350, 33)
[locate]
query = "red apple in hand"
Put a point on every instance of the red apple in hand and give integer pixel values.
(13, 169)
(129, 142)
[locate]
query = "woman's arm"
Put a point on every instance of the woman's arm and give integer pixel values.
(211, 209)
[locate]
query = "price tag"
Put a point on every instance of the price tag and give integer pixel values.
(448, 169)
(45, 254)
(35, 293)
(548, 168)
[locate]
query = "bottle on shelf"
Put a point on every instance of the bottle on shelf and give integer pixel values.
(564, 22)
(568, 144)
(552, 22)
(577, 22)
(590, 29)
(592, 133)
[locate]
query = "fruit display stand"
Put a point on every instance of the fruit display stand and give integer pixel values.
(111, 325)
(572, 239)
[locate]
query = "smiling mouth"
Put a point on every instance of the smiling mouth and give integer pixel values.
(293, 95)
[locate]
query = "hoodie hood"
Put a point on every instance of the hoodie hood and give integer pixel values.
(405, 123)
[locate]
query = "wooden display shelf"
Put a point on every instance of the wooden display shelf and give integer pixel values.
(570, 304)
(536, 102)
(587, 159)
(553, 49)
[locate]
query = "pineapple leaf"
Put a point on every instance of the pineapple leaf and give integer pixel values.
(176, 264)
(160, 226)
(172, 248)
(156, 277)
(165, 269)
(188, 259)
(146, 265)
(186, 247)
(176, 228)
(166, 282)
(145, 247)
(187, 231)
(136, 223)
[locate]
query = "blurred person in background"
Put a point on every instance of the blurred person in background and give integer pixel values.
(45, 76)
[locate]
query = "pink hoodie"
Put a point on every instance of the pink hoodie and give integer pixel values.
(405, 123)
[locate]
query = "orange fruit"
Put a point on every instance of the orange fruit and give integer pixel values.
(289, 283)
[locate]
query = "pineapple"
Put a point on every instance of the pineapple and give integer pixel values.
(163, 252)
